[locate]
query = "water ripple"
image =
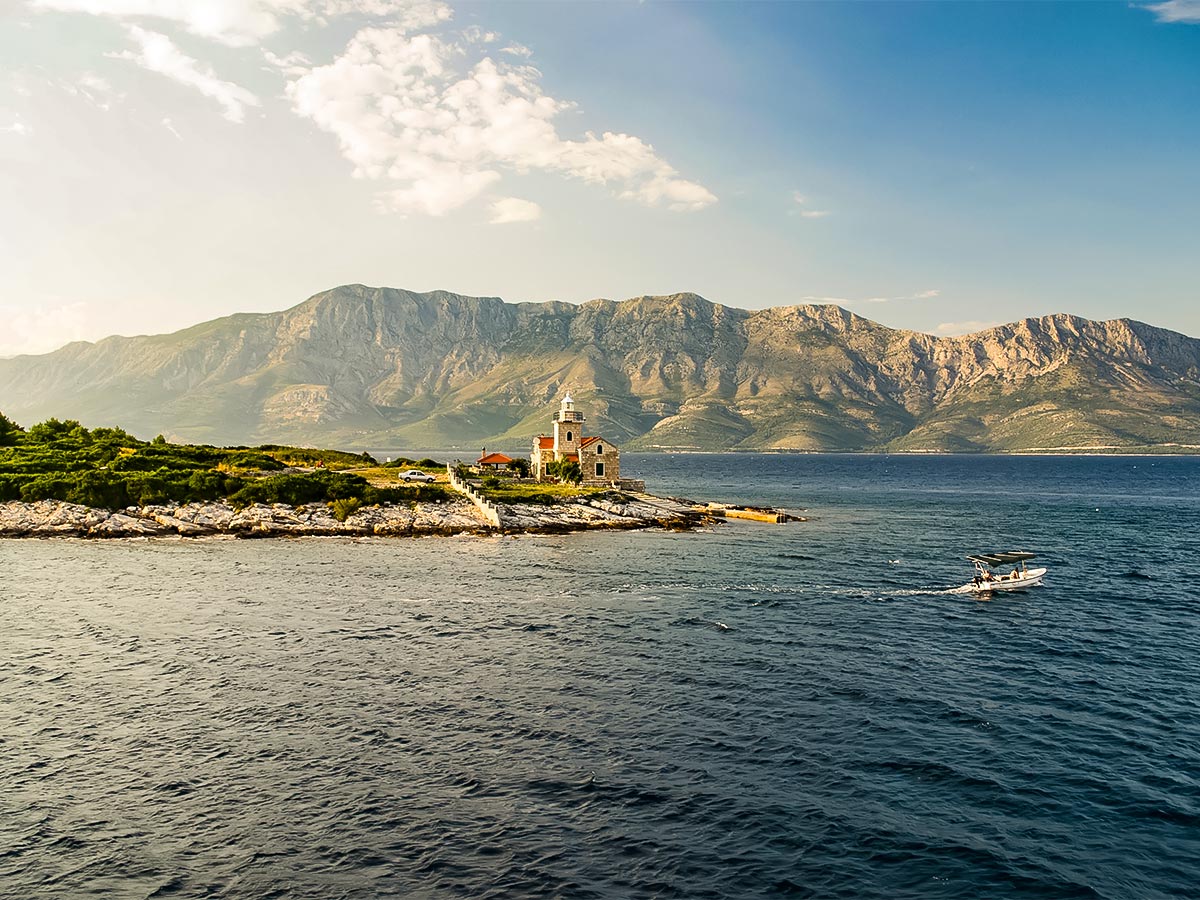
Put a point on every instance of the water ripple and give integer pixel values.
(756, 711)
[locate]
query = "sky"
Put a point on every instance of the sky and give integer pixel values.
(935, 166)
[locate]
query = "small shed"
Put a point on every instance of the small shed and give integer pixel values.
(493, 461)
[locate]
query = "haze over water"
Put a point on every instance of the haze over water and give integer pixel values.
(757, 710)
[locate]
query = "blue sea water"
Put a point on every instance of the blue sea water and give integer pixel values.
(751, 711)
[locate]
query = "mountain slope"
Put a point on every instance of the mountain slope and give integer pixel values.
(376, 366)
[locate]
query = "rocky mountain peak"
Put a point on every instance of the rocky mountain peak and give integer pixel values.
(370, 366)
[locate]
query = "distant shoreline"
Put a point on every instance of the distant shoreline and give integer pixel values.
(1186, 450)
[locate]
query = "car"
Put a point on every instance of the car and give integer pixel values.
(417, 475)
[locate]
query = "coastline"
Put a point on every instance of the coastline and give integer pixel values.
(55, 518)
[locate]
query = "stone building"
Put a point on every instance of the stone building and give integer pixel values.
(599, 459)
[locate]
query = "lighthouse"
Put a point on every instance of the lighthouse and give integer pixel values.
(568, 428)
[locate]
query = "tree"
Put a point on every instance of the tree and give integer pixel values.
(520, 466)
(53, 430)
(10, 431)
(567, 471)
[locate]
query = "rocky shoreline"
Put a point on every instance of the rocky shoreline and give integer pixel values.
(50, 518)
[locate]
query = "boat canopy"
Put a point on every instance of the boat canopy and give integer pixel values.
(1002, 559)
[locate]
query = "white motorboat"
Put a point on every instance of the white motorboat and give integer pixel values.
(992, 572)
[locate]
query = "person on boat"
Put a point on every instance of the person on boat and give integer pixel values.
(1014, 575)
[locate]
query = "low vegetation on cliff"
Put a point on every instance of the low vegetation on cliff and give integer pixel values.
(109, 468)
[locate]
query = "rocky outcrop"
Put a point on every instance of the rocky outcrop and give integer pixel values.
(50, 518)
(379, 367)
(642, 512)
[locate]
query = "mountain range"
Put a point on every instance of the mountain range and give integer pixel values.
(378, 367)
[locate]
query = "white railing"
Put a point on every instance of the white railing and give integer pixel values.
(487, 508)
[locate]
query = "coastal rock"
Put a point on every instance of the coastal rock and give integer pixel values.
(49, 517)
(643, 512)
(460, 515)
(122, 525)
(387, 521)
(52, 517)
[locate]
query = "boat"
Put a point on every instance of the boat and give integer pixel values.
(992, 572)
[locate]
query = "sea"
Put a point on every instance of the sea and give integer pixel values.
(748, 710)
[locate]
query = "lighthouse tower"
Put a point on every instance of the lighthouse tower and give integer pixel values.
(568, 428)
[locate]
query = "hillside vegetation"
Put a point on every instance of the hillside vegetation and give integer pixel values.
(111, 469)
(361, 366)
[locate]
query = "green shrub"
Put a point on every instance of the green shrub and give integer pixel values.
(309, 456)
(300, 488)
(566, 471)
(205, 486)
(252, 459)
(10, 486)
(48, 487)
(53, 430)
(408, 493)
(10, 431)
(101, 489)
(346, 507)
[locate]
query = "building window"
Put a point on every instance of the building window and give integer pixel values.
(599, 470)
(568, 437)
(599, 449)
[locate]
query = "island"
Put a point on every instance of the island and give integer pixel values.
(61, 478)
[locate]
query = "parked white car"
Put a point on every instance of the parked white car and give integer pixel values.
(417, 475)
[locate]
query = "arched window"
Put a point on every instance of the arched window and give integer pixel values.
(599, 449)
(569, 437)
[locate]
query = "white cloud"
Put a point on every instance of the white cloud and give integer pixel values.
(241, 23)
(956, 329)
(94, 89)
(514, 209)
(411, 15)
(476, 35)
(805, 211)
(414, 110)
(1187, 11)
(166, 123)
(158, 54)
(437, 193)
(233, 22)
(847, 301)
(40, 329)
(18, 127)
(294, 63)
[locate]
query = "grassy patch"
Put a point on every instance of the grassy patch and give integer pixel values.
(309, 456)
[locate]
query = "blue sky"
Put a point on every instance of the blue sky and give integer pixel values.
(935, 166)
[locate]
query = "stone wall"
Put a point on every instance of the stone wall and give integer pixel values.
(487, 509)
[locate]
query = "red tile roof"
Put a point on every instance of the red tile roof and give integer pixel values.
(588, 441)
(545, 443)
(493, 459)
